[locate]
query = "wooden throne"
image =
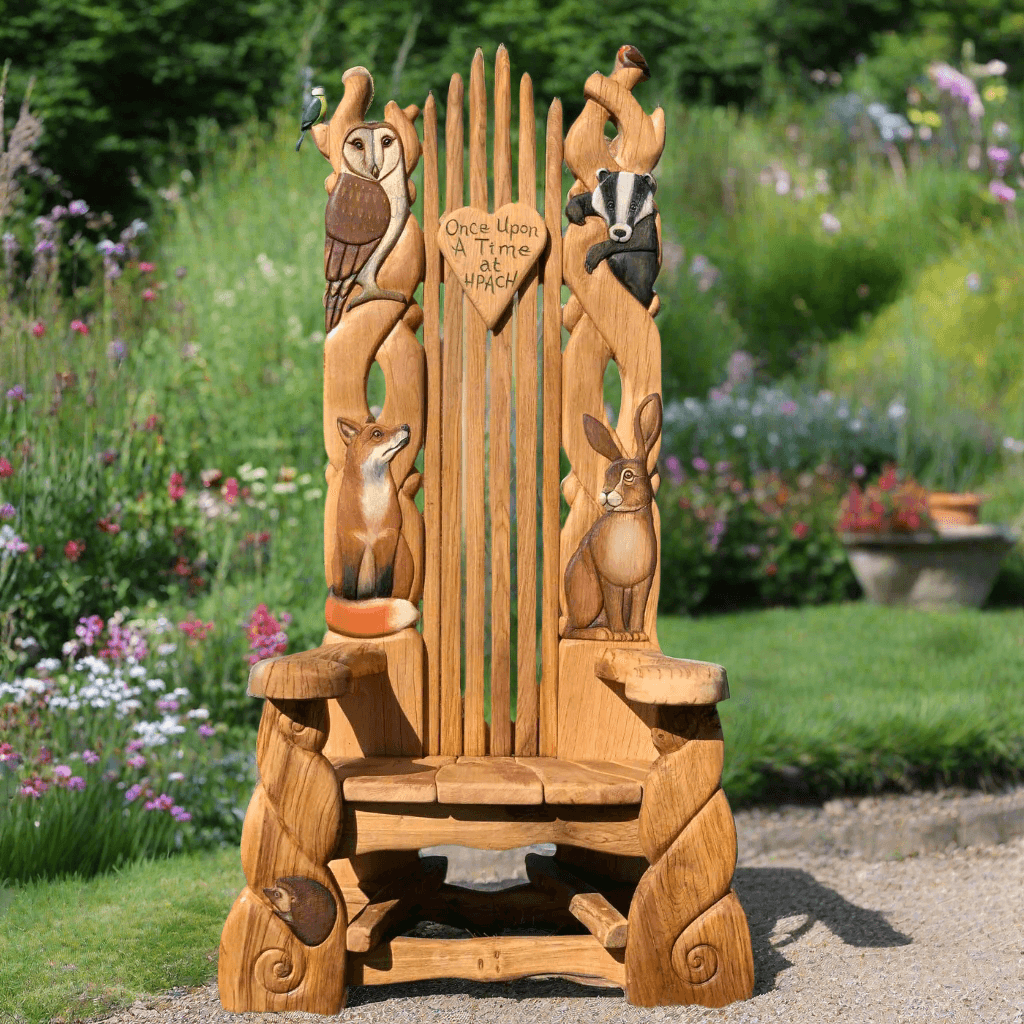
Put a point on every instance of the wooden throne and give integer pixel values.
(401, 731)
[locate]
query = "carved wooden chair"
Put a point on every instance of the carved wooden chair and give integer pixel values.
(377, 744)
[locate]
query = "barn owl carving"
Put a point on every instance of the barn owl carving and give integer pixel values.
(366, 213)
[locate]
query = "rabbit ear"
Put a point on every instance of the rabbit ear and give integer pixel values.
(647, 428)
(601, 439)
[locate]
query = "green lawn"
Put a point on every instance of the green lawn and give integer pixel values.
(856, 697)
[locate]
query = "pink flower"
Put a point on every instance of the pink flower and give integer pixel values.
(76, 782)
(167, 704)
(180, 814)
(230, 490)
(134, 745)
(146, 268)
(7, 753)
(1001, 191)
(176, 487)
(133, 793)
(90, 757)
(80, 326)
(149, 295)
(74, 549)
(137, 761)
(859, 471)
(38, 328)
(6, 469)
(206, 730)
(61, 771)
(7, 511)
(800, 530)
(701, 465)
(788, 407)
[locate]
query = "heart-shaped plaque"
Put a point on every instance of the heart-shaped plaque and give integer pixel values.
(491, 253)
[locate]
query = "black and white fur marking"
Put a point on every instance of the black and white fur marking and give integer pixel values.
(625, 202)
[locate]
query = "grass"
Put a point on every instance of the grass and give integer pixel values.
(71, 949)
(857, 698)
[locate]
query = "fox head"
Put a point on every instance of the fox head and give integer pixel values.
(373, 445)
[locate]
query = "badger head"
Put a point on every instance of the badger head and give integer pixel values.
(623, 199)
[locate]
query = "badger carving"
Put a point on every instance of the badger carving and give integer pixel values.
(625, 202)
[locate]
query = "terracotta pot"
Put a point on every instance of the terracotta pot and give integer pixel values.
(948, 509)
(957, 567)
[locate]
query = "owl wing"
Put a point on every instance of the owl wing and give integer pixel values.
(358, 215)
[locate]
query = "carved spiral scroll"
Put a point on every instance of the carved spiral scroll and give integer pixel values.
(280, 970)
(689, 940)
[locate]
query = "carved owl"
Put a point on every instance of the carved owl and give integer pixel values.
(366, 213)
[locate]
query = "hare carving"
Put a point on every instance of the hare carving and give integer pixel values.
(609, 578)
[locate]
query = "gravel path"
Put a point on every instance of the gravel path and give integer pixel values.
(838, 934)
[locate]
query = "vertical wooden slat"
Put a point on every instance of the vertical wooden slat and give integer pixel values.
(451, 453)
(474, 739)
(432, 445)
(500, 439)
(552, 431)
(526, 452)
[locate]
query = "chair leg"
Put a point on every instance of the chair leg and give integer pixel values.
(688, 936)
(283, 944)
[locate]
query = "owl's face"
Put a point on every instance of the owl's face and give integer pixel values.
(372, 150)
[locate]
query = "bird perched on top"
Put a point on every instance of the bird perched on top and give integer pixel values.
(630, 57)
(313, 114)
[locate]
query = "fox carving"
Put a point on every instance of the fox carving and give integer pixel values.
(371, 557)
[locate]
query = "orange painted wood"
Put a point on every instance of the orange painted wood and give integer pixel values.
(526, 452)
(474, 738)
(451, 454)
(500, 431)
(432, 490)
(552, 278)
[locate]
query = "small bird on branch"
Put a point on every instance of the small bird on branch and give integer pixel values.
(314, 112)
(630, 57)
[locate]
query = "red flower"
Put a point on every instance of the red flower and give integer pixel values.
(80, 327)
(107, 525)
(176, 487)
(151, 422)
(230, 490)
(149, 295)
(771, 569)
(182, 567)
(6, 469)
(146, 268)
(39, 328)
(74, 549)
(800, 530)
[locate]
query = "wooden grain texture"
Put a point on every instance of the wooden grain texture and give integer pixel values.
(552, 428)
(329, 671)
(688, 937)
(394, 904)
(384, 715)
(451, 454)
(500, 436)
(526, 452)
(390, 779)
(650, 677)
(370, 827)
(433, 504)
(590, 908)
(566, 782)
(474, 739)
(289, 833)
(488, 780)
(581, 958)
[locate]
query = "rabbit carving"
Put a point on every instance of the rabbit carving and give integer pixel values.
(609, 578)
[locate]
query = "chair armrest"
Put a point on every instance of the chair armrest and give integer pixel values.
(651, 677)
(328, 671)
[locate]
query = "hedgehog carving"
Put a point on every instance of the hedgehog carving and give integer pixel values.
(306, 905)
(625, 202)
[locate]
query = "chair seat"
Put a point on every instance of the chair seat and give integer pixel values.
(491, 780)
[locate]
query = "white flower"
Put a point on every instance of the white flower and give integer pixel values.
(48, 665)
(286, 487)
(199, 713)
(855, 425)
(137, 672)
(154, 685)
(312, 494)
(897, 410)
(175, 776)
(739, 430)
(830, 223)
(164, 649)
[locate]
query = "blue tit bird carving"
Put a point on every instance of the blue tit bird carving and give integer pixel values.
(314, 112)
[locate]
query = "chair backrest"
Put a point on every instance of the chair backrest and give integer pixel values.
(490, 399)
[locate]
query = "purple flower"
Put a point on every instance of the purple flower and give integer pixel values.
(675, 469)
(10, 244)
(76, 782)
(133, 793)
(111, 268)
(135, 745)
(788, 407)
(722, 467)
(180, 814)
(78, 208)
(206, 730)
(90, 756)
(57, 212)
(7, 511)
(106, 247)
(116, 350)
(61, 771)
(701, 465)
(859, 471)
(44, 245)
(16, 394)
(167, 704)
(1001, 191)
(137, 761)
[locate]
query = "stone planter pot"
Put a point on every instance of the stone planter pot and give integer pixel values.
(951, 509)
(955, 568)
